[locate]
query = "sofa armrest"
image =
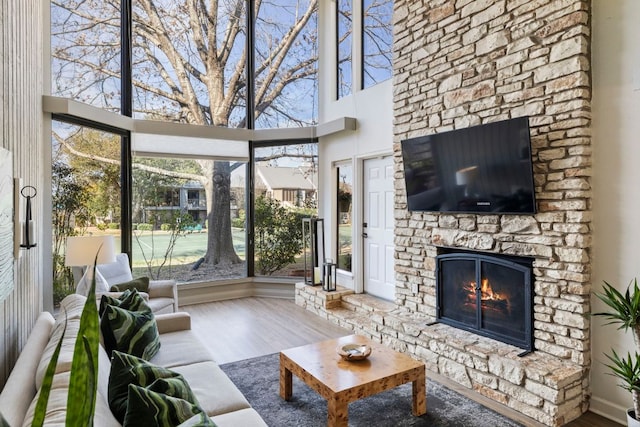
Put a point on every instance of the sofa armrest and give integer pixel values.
(164, 289)
(20, 387)
(173, 322)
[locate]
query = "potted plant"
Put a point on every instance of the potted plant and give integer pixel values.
(624, 311)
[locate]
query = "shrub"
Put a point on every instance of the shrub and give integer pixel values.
(114, 226)
(278, 235)
(165, 227)
(144, 227)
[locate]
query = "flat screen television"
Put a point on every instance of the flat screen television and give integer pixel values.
(480, 169)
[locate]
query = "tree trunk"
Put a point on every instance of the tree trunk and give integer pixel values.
(220, 248)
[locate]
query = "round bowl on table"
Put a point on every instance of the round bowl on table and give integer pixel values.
(353, 352)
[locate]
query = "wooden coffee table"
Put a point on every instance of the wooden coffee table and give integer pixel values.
(341, 382)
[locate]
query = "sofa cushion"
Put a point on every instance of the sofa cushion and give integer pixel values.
(180, 348)
(132, 332)
(127, 369)
(57, 405)
(128, 300)
(146, 407)
(216, 392)
(199, 420)
(242, 418)
(140, 284)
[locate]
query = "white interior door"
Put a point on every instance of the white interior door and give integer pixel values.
(377, 228)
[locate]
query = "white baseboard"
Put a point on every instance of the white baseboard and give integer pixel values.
(608, 410)
(197, 293)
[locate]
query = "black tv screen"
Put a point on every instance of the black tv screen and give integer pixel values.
(480, 169)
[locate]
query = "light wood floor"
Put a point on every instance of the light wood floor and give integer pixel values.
(250, 327)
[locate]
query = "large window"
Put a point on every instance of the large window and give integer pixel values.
(286, 59)
(377, 41)
(373, 55)
(285, 190)
(86, 191)
(172, 219)
(85, 52)
(196, 63)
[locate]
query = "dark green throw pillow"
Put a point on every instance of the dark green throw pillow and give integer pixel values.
(132, 332)
(129, 300)
(140, 284)
(149, 408)
(127, 369)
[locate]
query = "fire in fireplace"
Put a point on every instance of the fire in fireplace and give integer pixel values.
(490, 295)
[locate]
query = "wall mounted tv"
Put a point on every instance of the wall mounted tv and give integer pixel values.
(480, 169)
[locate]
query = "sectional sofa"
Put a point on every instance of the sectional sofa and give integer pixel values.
(180, 351)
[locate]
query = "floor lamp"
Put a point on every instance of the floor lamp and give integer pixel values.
(81, 252)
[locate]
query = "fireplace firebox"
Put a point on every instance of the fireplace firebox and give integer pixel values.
(491, 295)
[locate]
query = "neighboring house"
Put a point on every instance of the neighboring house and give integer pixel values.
(189, 198)
(291, 186)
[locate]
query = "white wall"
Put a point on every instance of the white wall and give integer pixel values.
(616, 179)
(373, 110)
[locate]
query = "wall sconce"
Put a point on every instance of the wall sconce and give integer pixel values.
(329, 275)
(27, 230)
(313, 249)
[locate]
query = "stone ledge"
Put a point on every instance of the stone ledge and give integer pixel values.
(538, 384)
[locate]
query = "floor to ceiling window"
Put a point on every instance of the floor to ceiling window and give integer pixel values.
(286, 190)
(86, 190)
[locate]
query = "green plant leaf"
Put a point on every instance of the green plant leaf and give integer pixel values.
(47, 381)
(3, 422)
(624, 309)
(627, 369)
(84, 367)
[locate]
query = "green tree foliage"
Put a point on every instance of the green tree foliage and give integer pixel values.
(70, 203)
(278, 235)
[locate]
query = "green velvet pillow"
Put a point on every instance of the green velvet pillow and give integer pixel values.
(149, 408)
(140, 284)
(127, 369)
(132, 332)
(129, 300)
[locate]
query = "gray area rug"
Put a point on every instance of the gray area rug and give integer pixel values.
(258, 379)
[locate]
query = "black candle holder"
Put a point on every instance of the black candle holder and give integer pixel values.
(28, 192)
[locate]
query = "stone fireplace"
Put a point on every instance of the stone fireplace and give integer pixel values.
(463, 63)
(490, 295)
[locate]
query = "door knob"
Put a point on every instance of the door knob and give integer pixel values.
(365, 235)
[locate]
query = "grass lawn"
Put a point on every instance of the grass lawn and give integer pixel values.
(188, 248)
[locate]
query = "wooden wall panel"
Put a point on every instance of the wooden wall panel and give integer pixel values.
(22, 31)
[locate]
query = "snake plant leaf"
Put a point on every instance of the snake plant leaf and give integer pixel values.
(47, 381)
(81, 401)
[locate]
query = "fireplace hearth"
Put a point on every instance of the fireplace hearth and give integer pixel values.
(491, 295)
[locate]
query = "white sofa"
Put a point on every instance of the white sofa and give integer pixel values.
(180, 351)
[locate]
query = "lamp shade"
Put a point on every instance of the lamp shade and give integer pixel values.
(82, 250)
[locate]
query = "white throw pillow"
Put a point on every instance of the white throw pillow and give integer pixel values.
(85, 283)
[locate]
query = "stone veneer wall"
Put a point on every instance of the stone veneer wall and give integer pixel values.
(459, 63)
